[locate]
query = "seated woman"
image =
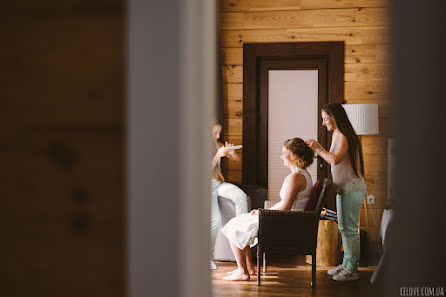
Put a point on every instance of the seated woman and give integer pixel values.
(220, 188)
(242, 230)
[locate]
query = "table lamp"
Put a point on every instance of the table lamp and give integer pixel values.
(364, 118)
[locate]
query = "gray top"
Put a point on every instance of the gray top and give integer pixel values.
(344, 178)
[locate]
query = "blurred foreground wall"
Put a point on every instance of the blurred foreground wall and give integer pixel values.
(61, 148)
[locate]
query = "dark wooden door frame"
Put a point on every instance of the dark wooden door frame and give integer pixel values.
(253, 54)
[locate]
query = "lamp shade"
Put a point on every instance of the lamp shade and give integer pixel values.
(364, 118)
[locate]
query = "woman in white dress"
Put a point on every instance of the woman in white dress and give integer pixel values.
(242, 230)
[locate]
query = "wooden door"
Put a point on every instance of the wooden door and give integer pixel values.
(304, 126)
(258, 59)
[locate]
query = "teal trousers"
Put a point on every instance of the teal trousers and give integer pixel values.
(349, 207)
(229, 191)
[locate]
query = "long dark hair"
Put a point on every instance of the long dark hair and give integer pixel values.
(337, 112)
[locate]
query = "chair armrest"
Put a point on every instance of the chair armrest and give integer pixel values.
(286, 213)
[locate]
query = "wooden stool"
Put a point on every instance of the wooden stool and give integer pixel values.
(327, 253)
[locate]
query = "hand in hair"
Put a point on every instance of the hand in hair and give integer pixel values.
(314, 145)
(330, 158)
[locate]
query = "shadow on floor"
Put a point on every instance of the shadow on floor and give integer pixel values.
(291, 277)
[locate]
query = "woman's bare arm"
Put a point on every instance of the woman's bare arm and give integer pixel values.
(230, 154)
(331, 158)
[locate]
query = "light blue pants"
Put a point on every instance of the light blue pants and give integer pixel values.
(349, 208)
(229, 191)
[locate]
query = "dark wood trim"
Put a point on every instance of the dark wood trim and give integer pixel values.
(262, 134)
(255, 113)
(336, 72)
(250, 109)
(219, 106)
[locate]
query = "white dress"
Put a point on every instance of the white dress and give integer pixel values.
(242, 230)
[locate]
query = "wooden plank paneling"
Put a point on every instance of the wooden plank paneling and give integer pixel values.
(66, 265)
(367, 53)
(59, 163)
(61, 148)
(374, 144)
(267, 5)
(373, 90)
(233, 127)
(296, 19)
(232, 56)
(384, 127)
(366, 72)
(233, 91)
(375, 180)
(236, 139)
(351, 35)
(235, 165)
(55, 77)
(373, 237)
(234, 109)
(233, 74)
(375, 162)
(377, 212)
(64, 189)
(66, 7)
(234, 176)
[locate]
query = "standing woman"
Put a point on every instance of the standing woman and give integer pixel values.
(347, 170)
(222, 188)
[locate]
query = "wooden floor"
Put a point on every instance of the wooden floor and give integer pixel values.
(283, 279)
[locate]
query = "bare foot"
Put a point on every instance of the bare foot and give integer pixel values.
(237, 276)
(251, 272)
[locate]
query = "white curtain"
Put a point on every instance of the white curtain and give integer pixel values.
(292, 112)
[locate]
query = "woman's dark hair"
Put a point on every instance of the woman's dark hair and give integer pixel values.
(337, 112)
(299, 148)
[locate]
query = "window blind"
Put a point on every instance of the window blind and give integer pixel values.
(292, 112)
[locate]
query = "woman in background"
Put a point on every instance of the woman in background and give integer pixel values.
(220, 188)
(347, 170)
(242, 230)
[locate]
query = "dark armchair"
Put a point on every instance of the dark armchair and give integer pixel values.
(291, 231)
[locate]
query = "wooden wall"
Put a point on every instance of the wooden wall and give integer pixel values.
(61, 148)
(364, 27)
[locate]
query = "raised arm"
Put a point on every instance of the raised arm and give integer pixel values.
(218, 155)
(329, 157)
(230, 154)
